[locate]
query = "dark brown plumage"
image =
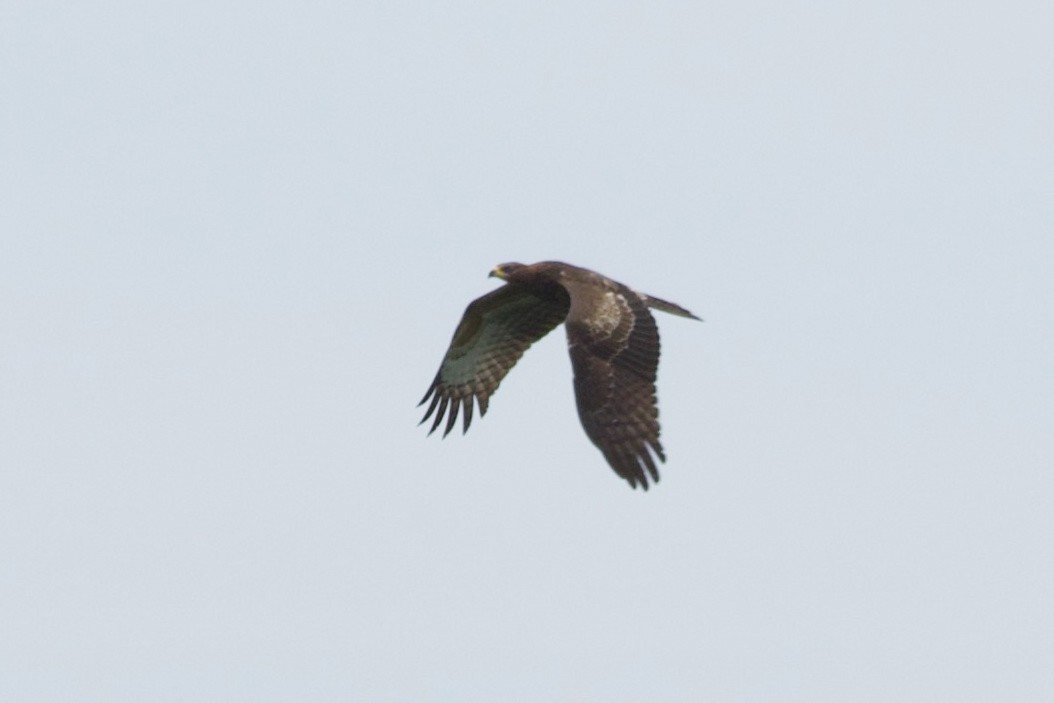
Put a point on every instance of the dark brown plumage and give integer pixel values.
(614, 347)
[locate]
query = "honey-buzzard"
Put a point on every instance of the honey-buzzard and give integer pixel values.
(614, 347)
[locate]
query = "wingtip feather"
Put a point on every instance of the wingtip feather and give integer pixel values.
(452, 417)
(439, 414)
(431, 408)
(467, 414)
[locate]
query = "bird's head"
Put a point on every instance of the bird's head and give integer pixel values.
(506, 271)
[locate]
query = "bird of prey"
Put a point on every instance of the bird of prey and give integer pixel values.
(614, 347)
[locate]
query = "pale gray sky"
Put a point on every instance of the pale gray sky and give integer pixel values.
(236, 239)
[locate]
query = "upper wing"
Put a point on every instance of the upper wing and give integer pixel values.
(493, 334)
(614, 346)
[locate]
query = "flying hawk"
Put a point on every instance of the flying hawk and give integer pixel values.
(614, 347)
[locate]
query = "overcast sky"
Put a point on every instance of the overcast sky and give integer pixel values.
(236, 237)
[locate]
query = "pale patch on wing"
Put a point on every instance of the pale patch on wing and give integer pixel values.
(600, 315)
(622, 316)
(608, 314)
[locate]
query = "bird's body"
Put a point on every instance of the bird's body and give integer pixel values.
(612, 339)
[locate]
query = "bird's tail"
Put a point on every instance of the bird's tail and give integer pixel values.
(667, 306)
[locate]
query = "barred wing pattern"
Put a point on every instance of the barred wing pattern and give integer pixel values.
(493, 334)
(615, 367)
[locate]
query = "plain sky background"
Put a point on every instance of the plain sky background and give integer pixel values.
(235, 239)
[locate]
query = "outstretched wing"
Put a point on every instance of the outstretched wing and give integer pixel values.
(493, 334)
(614, 347)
